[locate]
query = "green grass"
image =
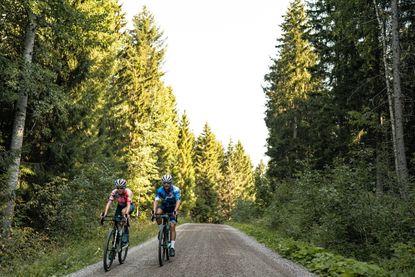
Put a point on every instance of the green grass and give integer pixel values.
(72, 255)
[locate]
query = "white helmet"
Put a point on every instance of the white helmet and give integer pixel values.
(120, 184)
(167, 179)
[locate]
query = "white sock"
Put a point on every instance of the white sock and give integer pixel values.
(172, 244)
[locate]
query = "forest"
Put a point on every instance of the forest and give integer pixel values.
(82, 102)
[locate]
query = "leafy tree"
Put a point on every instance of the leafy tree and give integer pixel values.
(62, 45)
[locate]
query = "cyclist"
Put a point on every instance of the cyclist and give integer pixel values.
(123, 196)
(169, 196)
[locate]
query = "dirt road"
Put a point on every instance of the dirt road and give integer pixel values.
(202, 250)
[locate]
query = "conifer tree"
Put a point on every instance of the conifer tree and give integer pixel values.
(208, 160)
(167, 131)
(137, 104)
(289, 85)
(186, 171)
(238, 182)
(263, 192)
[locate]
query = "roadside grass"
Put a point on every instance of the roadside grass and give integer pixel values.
(316, 259)
(76, 253)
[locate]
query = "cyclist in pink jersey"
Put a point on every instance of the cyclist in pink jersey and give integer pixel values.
(123, 197)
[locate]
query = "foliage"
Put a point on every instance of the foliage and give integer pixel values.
(238, 178)
(186, 172)
(29, 253)
(315, 259)
(208, 161)
(245, 211)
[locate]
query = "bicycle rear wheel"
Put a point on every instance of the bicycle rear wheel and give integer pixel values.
(109, 250)
(161, 247)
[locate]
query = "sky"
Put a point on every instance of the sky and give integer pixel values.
(218, 52)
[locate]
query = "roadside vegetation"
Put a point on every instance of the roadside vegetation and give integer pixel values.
(33, 254)
(83, 102)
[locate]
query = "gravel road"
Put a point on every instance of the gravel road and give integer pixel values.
(202, 250)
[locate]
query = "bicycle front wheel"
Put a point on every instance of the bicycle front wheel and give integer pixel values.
(161, 247)
(109, 250)
(166, 243)
(122, 255)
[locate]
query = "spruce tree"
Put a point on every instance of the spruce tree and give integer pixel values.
(137, 103)
(289, 84)
(186, 171)
(238, 181)
(208, 160)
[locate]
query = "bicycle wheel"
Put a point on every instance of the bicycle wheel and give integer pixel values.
(109, 250)
(166, 243)
(161, 247)
(122, 255)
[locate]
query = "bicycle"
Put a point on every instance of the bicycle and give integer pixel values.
(113, 244)
(163, 237)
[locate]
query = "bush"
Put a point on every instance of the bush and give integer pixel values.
(245, 211)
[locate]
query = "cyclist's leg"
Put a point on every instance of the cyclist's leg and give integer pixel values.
(121, 210)
(173, 221)
(159, 210)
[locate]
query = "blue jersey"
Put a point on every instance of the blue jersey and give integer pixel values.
(168, 198)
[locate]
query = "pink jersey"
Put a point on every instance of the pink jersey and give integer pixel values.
(121, 198)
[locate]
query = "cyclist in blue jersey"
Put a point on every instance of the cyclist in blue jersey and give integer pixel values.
(167, 200)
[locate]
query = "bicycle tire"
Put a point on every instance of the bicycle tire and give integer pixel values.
(161, 247)
(166, 243)
(122, 255)
(109, 250)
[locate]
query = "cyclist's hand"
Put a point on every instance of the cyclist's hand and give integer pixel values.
(175, 213)
(102, 218)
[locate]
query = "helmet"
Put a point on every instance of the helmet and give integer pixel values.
(167, 179)
(120, 184)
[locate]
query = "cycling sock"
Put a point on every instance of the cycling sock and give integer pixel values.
(172, 244)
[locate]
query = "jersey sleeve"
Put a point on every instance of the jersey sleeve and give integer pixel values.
(129, 196)
(158, 195)
(177, 194)
(112, 195)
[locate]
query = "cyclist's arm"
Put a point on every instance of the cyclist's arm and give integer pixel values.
(178, 200)
(155, 204)
(107, 207)
(129, 199)
(177, 206)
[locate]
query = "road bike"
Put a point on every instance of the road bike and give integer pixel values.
(113, 244)
(163, 237)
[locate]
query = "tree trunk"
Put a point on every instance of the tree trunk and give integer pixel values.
(18, 125)
(402, 171)
(388, 77)
(395, 98)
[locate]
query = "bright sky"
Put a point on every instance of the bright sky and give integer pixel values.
(218, 52)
